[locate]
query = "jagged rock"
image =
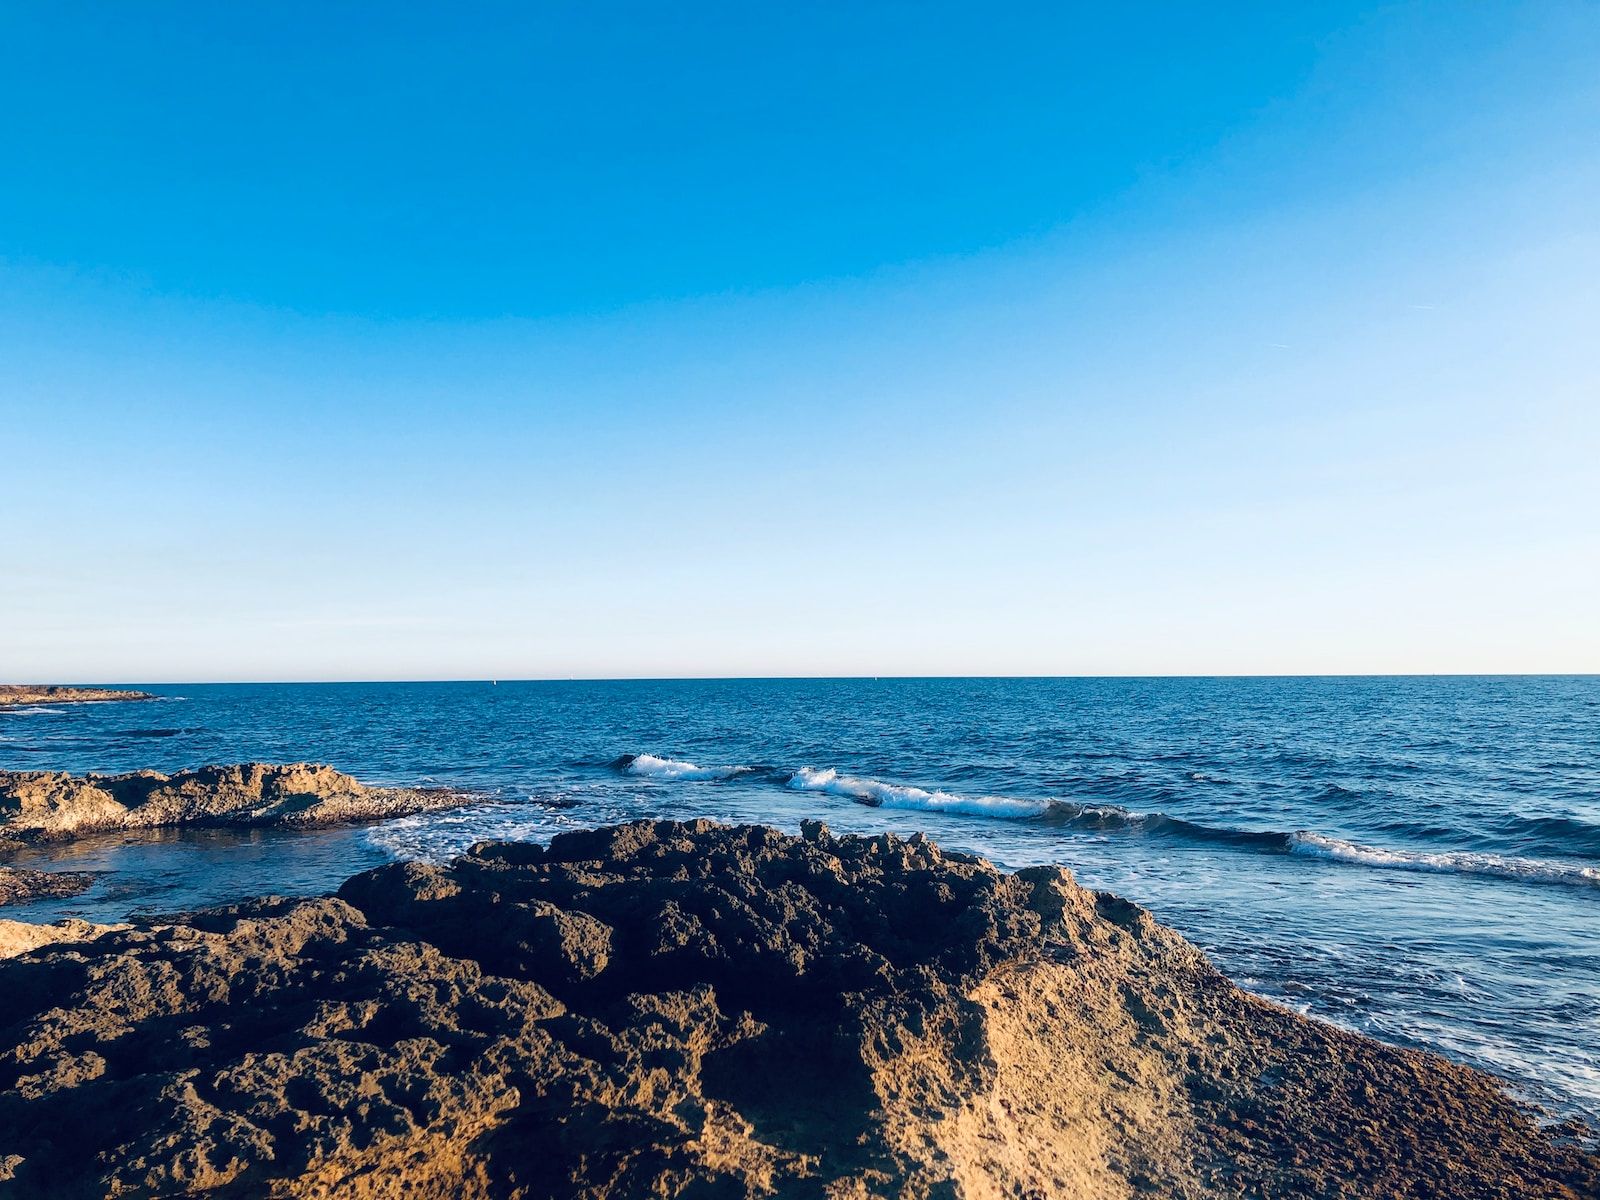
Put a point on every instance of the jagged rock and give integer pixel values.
(697, 1011)
(46, 806)
(25, 693)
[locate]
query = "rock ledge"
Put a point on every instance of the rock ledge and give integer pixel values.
(52, 806)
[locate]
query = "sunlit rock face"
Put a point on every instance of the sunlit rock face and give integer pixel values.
(51, 806)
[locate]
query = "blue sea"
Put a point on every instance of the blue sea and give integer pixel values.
(1413, 858)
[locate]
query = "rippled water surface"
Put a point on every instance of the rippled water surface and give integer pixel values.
(1417, 858)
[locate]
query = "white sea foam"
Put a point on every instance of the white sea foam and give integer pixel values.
(439, 836)
(891, 795)
(1455, 862)
(671, 768)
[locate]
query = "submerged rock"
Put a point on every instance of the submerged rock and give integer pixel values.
(48, 806)
(691, 1010)
(18, 886)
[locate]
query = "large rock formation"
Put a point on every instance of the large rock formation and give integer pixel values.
(690, 1010)
(40, 693)
(45, 806)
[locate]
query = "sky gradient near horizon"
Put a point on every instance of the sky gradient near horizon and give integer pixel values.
(347, 342)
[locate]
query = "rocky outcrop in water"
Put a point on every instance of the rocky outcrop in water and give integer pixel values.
(692, 1010)
(18, 886)
(50, 806)
(27, 693)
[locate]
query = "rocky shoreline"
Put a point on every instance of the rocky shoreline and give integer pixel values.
(16, 694)
(45, 807)
(52, 806)
(695, 1010)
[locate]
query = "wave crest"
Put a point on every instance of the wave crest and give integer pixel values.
(877, 794)
(1066, 814)
(1452, 862)
(650, 766)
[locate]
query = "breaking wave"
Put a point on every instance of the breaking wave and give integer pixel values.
(672, 768)
(890, 795)
(1453, 862)
(1060, 813)
(1067, 814)
(1108, 817)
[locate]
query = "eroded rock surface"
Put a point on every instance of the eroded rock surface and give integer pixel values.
(691, 1010)
(31, 693)
(47, 806)
(18, 937)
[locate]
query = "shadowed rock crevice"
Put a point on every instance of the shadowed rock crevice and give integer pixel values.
(691, 1010)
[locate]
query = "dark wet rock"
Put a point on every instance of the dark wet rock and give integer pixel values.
(691, 1010)
(17, 886)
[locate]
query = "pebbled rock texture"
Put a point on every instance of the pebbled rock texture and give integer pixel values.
(705, 1012)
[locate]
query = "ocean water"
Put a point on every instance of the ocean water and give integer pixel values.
(1414, 858)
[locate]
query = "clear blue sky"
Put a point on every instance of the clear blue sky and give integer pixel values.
(348, 341)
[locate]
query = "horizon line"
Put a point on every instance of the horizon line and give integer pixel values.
(492, 681)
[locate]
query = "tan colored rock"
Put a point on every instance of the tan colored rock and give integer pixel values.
(12, 694)
(49, 806)
(18, 937)
(691, 1010)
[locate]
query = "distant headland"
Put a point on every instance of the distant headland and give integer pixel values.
(14, 694)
